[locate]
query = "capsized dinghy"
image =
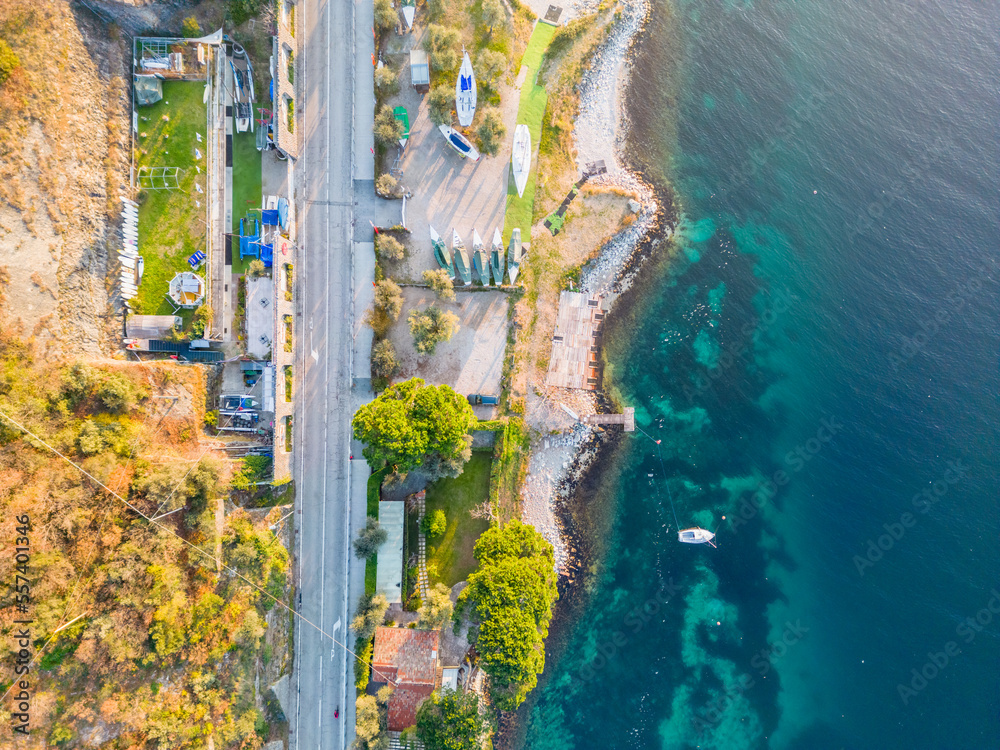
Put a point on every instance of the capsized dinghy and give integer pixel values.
(462, 267)
(441, 253)
(514, 254)
(497, 263)
(480, 263)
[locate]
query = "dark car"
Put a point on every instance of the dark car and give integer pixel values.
(477, 399)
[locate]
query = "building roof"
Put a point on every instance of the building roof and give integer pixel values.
(389, 570)
(575, 358)
(409, 658)
(420, 72)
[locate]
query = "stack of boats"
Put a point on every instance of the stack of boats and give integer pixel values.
(128, 255)
(465, 105)
(484, 266)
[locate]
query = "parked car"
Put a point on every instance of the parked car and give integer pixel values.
(477, 399)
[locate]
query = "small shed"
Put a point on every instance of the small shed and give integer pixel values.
(420, 71)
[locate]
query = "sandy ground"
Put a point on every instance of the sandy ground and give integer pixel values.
(447, 191)
(472, 362)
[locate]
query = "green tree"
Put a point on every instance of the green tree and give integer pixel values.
(370, 537)
(388, 130)
(256, 268)
(412, 424)
(370, 614)
(384, 362)
(434, 523)
(510, 595)
(490, 65)
(441, 43)
(493, 13)
(386, 185)
(491, 131)
(430, 327)
(437, 9)
(439, 281)
(437, 609)
(439, 104)
(389, 247)
(367, 721)
(389, 298)
(118, 393)
(385, 16)
(190, 28)
(450, 720)
(202, 319)
(386, 81)
(8, 61)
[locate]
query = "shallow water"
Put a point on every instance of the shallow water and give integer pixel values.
(820, 363)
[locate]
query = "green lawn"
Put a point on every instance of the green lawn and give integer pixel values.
(371, 564)
(171, 224)
(530, 112)
(247, 190)
(449, 557)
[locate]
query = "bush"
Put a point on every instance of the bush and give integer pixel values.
(389, 298)
(362, 672)
(190, 28)
(256, 269)
(491, 132)
(117, 393)
(439, 281)
(385, 16)
(370, 538)
(384, 362)
(493, 13)
(9, 61)
(202, 319)
(370, 614)
(386, 185)
(490, 65)
(212, 418)
(437, 610)
(430, 327)
(386, 81)
(388, 130)
(439, 104)
(379, 321)
(441, 44)
(434, 524)
(389, 248)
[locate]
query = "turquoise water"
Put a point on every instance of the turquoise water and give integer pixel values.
(821, 363)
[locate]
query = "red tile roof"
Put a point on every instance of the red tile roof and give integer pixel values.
(408, 658)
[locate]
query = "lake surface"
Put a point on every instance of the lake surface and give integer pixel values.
(820, 363)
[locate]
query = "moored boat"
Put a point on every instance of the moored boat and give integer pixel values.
(465, 92)
(441, 253)
(514, 254)
(696, 536)
(497, 258)
(462, 267)
(480, 263)
(459, 142)
(409, 8)
(520, 158)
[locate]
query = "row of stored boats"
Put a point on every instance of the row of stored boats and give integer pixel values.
(483, 266)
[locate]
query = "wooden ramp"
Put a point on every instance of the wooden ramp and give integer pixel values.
(627, 419)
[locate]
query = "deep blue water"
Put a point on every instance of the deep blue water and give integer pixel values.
(821, 363)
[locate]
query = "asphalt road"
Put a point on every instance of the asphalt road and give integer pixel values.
(324, 346)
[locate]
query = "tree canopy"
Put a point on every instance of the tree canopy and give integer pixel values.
(451, 720)
(414, 425)
(440, 282)
(510, 596)
(370, 537)
(430, 327)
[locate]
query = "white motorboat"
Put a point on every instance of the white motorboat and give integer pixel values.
(696, 535)
(520, 158)
(459, 142)
(465, 92)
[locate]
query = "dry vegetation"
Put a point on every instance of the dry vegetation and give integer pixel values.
(63, 159)
(167, 648)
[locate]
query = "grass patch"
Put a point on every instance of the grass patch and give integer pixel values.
(247, 188)
(291, 115)
(288, 382)
(531, 111)
(449, 557)
(171, 224)
(288, 434)
(509, 468)
(374, 488)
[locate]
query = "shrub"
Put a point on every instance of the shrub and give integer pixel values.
(490, 65)
(379, 321)
(430, 327)
(117, 393)
(439, 103)
(202, 319)
(212, 418)
(388, 130)
(369, 538)
(389, 248)
(386, 185)
(437, 610)
(384, 362)
(493, 13)
(256, 269)
(364, 649)
(389, 298)
(491, 131)
(386, 81)
(434, 524)
(441, 43)
(441, 283)
(385, 16)
(9, 61)
(370, 614)
(190, 28)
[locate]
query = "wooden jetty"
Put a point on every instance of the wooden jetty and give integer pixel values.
(627, 419)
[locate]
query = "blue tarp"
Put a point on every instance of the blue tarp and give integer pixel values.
(267, 255)
(283, 212)
(466, 83)
(195, 259)
(248, 247)
(269, 217)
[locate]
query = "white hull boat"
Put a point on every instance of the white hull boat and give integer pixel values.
(409, 8)
(459, 142)
(520, 158)
(465, 92)
(696, 536)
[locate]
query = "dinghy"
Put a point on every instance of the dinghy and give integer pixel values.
(514, 254)
(480, 263)
(520, 158)
(441, 253)
(459, 142)
(696, 536)
(462, 267)
(497, 263)
(465, 92)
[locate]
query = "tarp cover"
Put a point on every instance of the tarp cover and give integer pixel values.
(269, 218)
(148, 90)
